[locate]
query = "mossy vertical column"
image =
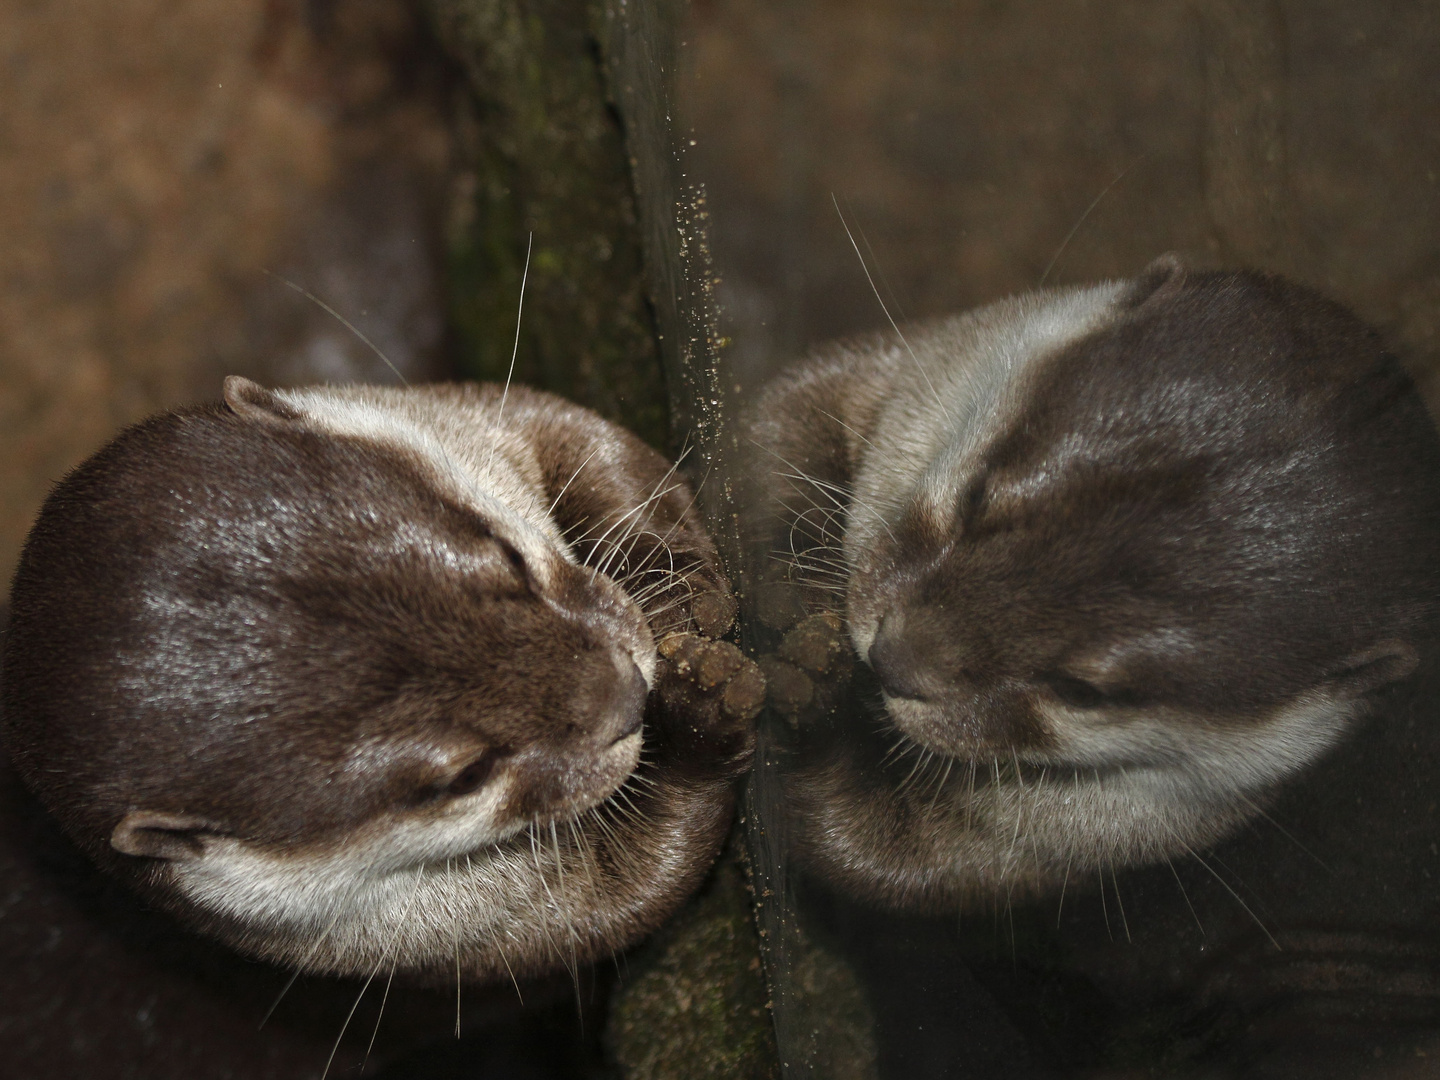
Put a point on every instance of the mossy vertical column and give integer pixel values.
(633, 336)
(640, 42)
(542, 153)
(694, 1003)
(815, 1006)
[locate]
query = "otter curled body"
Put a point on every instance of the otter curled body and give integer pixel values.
(1122, 559)
(354, 678)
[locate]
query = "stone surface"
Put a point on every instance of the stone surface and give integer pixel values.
(693, 1002)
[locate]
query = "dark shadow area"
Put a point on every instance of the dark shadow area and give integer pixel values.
(1304, 947)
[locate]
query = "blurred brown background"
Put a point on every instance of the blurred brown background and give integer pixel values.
(156, 159)
(966, 141)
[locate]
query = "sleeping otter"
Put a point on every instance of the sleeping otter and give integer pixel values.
(360, 679)
(1118, 561)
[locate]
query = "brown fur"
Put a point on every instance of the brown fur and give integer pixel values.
(239, 633)
(1116, 595)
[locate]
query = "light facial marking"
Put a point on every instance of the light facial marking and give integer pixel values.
(353, 885)
(493, 488)
(922, 460)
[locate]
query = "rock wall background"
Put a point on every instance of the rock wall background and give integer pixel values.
(157, 158)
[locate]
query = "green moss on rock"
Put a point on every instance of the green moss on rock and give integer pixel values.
(543, 153)
(693, 1005)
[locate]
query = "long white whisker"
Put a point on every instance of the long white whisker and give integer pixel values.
(1104, 908)
(470, 870)
(1260, 811)
(573, 475)
(276, 1003)
(300, 967)
(514, 352)
(1076, 227)
(455, 937)
(346, 322)
(570, 926)
(619, 522)
(847, 427)
(919, 366)
(1263, 928)
(1019, 807)
(394, 948)
(1175, 873)
(1060, 907)
(1119, 903)
(940, 787)
(545, 884)
(379, 1016)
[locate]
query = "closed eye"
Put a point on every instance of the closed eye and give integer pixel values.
(1077, 693)
(972, 503)
(506, 553)
(515, 560)
(506, 571)
(471, 778)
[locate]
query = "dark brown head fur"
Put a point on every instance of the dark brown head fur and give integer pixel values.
(1132, 555)
(316, 668)
(1220, 501)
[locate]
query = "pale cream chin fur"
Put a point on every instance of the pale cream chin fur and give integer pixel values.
(400, 890)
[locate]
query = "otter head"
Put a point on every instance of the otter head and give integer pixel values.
(266, 663)
(1180, 551)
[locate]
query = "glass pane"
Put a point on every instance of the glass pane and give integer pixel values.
(1057, 819)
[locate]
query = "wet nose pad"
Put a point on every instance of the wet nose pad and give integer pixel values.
(895, 663)
(630, 694)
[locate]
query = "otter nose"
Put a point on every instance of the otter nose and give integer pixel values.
(896, 664)
(629, 703)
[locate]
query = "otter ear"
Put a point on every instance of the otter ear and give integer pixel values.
(152, 834)
(1380, 665)
(1160, 281)
(251, 401)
